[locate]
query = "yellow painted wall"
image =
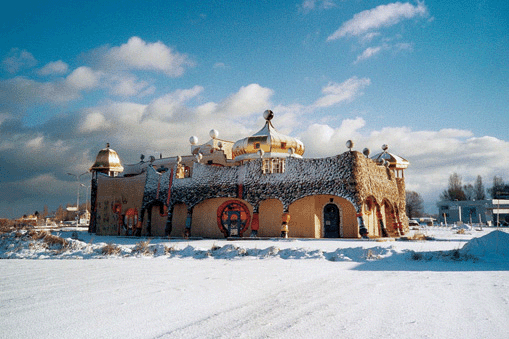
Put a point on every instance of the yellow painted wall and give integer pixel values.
(303, 218)
(158, 222)
(270, 215)
(126, 191)
(205, 218)
(179, 220)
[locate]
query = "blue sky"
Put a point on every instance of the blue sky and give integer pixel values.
(431, 79)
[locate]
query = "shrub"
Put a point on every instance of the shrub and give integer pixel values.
(110, 249)
(142, 248)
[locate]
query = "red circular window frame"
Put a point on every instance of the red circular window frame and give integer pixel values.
(233, 205)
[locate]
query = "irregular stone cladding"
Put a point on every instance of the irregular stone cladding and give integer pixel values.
(380, 183)
(301, 178)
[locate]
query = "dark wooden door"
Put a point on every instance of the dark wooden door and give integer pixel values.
(331, 221)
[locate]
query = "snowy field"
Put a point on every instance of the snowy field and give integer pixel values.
(454, 286)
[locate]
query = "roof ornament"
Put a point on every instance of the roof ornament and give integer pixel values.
(366, 152)
(193, 140)
(385, 147)
(261, 153)
(142, 157)
(214, 133)
(349, 144)
(268, 115)
(198, 157)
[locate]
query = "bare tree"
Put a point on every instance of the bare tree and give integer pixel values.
(455, 189)
(469, 192)
(479, 191)
(414, 204)
(499, 190)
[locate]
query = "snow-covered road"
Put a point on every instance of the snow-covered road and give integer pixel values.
(257, 297)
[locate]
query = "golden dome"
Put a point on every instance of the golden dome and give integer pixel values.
(107, 160)
(267, 142)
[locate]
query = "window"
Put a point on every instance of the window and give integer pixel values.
(274, 165)
(257, 145)
(283, 145)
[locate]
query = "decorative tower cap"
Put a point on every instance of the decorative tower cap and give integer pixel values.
(349, 144)
(193, 140)
(268, 139)
(107, 160)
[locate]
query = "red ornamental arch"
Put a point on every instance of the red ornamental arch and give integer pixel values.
(233, 218)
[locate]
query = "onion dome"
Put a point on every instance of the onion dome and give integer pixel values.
(268, 143)
(394, 161)
(107, 161)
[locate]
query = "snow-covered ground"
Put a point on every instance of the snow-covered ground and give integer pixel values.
(455, 286)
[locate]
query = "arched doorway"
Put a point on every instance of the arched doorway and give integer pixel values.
(331, 221)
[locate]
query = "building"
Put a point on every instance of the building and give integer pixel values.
(259, 186)
(491, 212)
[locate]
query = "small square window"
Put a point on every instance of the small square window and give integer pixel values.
(283, 145)
(257, 145)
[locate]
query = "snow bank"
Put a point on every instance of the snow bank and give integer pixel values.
(492, 246)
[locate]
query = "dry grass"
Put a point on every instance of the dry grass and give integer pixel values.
(170, 249)
(110, 249)
(143, 248)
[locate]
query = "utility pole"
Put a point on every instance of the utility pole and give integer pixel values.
(77, 195)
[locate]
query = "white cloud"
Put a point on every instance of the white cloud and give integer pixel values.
(125, 85)
(138, 54)
(23, 92)
(248, 100)
(368, 53)
(346, 91)
(54, 67)
(94, 121)
(83, 78)
(18, 59)
(380, 16)
(171, 104)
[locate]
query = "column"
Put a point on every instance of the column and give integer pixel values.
(189, 221)
(169, 222)
(255, 223)
(284, 224)
(363, 231)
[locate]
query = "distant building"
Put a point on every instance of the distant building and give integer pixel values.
(257, 186)
(474, 211)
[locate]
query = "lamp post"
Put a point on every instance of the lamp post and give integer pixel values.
(77, 195)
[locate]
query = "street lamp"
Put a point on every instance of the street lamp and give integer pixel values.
(77, 195)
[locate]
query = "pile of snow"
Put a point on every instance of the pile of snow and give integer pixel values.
(492, 246)
(462, 227)
(44, 245)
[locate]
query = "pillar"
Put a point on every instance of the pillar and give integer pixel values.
(284, 224)
(169, 222)
(395, 223)
(363, 231)
(255, 223)
(189, 221)
(383, 231)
